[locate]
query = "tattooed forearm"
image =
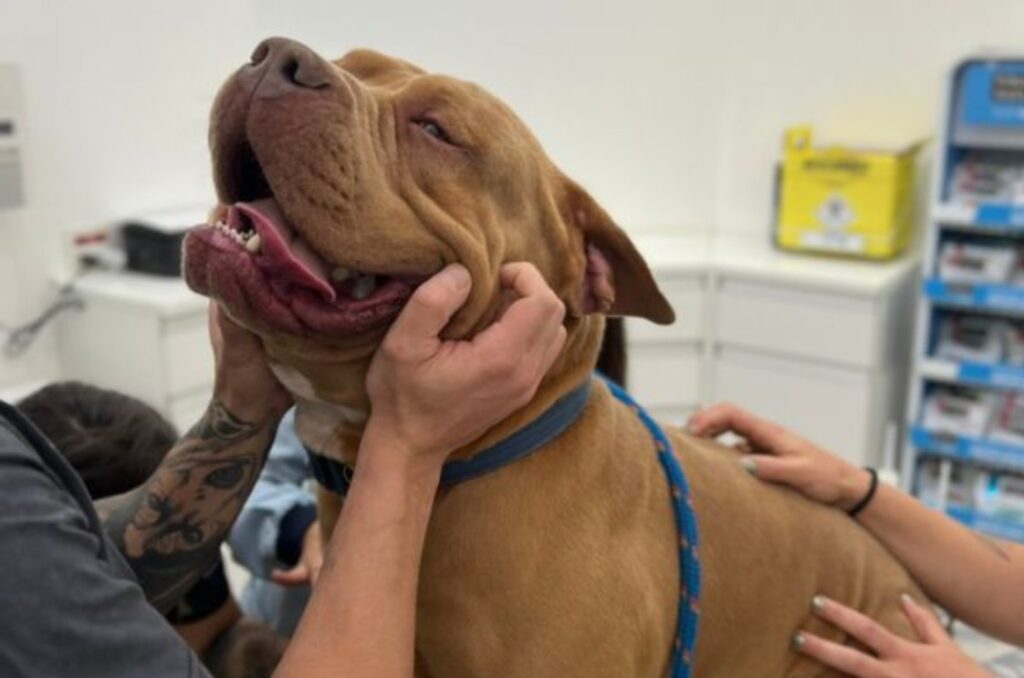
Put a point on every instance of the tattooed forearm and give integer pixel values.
(170, 529)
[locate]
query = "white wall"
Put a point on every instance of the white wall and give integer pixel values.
(671, 112)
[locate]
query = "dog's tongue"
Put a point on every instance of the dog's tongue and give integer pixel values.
(284, 256)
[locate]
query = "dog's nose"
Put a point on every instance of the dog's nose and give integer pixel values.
(280, 66)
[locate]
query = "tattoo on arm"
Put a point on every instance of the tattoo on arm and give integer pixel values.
(170, 529)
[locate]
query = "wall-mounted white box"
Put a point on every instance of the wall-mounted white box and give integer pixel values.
(11, 120)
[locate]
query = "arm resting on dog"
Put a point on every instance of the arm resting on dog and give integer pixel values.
(171, 528)
(977, 579)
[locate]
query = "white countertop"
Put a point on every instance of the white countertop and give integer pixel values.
(756, 259)
(166, 296)
(741, 256)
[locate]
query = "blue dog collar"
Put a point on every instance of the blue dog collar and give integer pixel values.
(336, 476)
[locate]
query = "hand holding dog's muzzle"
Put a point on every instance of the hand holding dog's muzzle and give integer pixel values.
(435, 395)
(243, 382)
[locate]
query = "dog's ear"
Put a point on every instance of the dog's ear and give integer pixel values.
(617, 280)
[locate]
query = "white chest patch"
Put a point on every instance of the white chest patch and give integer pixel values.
(301, 387)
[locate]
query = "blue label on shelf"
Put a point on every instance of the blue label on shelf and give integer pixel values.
(995, 297)
(994, 214)
(1002, 376)
(968, 449)
(992, 94)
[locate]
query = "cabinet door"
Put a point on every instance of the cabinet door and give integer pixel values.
(686, 294)
(823, 326)
(826, 404)
(665, 376)
(188, 358)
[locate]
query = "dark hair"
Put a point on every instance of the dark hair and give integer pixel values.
(113, 441)
(611, 361)
(248, 649)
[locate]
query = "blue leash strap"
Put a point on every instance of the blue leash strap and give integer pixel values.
(689, 554)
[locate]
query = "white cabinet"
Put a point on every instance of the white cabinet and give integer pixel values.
(665, 362)
(819, 345)
(143, 336)
(826, 403)
(798, 322)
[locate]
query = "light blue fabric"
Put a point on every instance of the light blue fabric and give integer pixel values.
(253, 539)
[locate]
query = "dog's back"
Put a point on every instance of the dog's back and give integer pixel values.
(765, 552)
(565, 563)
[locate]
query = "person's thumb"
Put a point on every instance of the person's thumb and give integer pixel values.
(296, 576)
(433, 304)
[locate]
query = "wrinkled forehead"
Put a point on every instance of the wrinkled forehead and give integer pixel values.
(378, 70)
(387, 76)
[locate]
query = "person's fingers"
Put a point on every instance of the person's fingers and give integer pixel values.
(531, 321)
(844, 659)
(773, 469)
(432, 305)
(523, 278)
(743, 447)
(927, 627)
(554, 348)
(296, 576)
(861, 627)
(718, 419)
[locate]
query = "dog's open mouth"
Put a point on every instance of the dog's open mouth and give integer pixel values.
(253, 258)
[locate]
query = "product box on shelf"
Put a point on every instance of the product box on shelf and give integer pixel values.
(845, 200)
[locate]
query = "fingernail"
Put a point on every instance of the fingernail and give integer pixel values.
(798, 640)
(818, 603)
(749, 465)
(907, 600)
(458, 275)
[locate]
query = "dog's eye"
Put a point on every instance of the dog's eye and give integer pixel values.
(434, 130)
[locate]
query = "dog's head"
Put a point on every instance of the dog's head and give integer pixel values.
(346, 184)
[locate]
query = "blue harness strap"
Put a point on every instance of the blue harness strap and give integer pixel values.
(336, 476)
(689, 553)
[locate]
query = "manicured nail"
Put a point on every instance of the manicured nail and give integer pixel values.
(798, 640)
(818, 603)
(749, 465)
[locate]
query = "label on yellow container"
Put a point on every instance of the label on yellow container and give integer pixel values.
(849, 201)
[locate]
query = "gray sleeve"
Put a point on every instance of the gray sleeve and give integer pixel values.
(70, 606)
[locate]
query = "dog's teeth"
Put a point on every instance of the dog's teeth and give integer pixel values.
(363, 287)
(341, 274)
(253, 244)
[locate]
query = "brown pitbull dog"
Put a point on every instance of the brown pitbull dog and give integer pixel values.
(343, 186)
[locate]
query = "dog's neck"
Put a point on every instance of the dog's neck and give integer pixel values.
(335, 429)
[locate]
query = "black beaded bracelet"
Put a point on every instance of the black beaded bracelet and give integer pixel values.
(859, 506)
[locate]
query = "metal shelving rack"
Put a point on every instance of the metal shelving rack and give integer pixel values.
(969, 123)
